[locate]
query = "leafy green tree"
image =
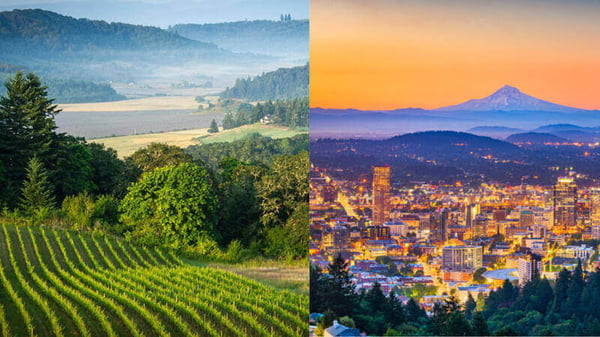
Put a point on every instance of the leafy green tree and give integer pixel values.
(213, 127)
(37, 190)
(109, 173)
(291, 239)
(240, 205)
(173, 206)
(72, 172)
(282, 189)
(79, 211)
(506, 331)
(158, 155)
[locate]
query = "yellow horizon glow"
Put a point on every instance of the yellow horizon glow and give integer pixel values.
(383, 54)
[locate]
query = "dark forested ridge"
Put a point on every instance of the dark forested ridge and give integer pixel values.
(258, 36)
(54, 45)
(448, 156)
(36, 28)
(283, 83)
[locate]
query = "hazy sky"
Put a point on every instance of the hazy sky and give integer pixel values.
(384, 54)
(167, 12)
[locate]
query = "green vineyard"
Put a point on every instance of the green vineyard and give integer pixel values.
(59, 283)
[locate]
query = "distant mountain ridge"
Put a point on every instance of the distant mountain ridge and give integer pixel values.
(281, 38)
(536, 138)
(39, 27)
(508, 108)
(509, 98)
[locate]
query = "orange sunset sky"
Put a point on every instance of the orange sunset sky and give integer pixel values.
(387, 54)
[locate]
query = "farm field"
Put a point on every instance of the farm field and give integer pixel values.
(126, 145)
(138, 104)
(134, 116)
(59, 283)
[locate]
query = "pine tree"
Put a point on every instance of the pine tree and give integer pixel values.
(470, 306)
(213, 127)
(27, 129)
(339, 294)
(37, 190)
(480, 327)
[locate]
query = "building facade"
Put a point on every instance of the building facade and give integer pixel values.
(565, 203)
(381, 194)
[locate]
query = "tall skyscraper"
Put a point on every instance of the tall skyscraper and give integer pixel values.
(595, 206)
(471, 211)
(438, 223)
(565, 203)
(381, 194)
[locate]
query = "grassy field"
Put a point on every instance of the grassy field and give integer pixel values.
(139, 104)
(60, 283)
(281, 275)
(126, 145)
(226, 136)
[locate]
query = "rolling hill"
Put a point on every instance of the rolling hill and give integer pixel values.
(58, 283)
(278, 38)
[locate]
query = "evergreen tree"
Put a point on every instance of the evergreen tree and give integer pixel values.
(37, 190)
(27, 129)
(470, 306)
(339, 293)
(228, 121)
(413, 311)
(560, 290)
(573, 302)
(213, 127)
(480, 327)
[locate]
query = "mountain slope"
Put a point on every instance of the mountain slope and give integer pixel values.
(508, 98)
(36, 27)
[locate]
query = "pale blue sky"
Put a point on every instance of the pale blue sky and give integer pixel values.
(167, 12)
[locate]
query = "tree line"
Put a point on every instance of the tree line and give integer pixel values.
(292, 113)
(219, 206)
(567, 306)
(281, 84)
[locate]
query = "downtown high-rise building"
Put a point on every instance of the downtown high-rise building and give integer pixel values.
(530, 267)
(565, 203)
(595, 206)
(438, 223)
(381, 194)
(462, 258)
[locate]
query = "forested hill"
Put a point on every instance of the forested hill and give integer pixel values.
(66, 90)
(259, 36)
(40, 28)
(283, 83)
